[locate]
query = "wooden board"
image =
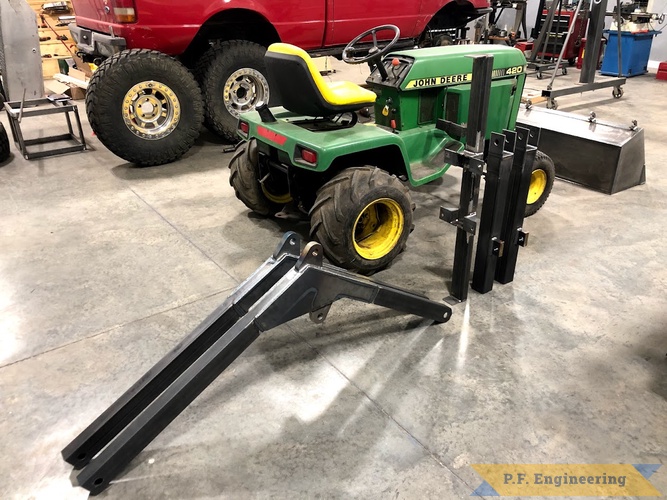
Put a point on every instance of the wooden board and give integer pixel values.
(50, 67)
(53, 47)
(57, 49)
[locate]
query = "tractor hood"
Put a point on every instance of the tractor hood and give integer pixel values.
(443, 66)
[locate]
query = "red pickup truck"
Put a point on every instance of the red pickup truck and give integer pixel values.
(147, 106)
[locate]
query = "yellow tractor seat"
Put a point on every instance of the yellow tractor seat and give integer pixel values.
(301, 89)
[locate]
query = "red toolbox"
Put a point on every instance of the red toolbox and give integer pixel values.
(525, 47)
(562, 23)
(582, 53)
(662, 71)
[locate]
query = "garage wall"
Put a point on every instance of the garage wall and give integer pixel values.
(658, 49)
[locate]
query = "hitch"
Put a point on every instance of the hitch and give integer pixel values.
(289, 284)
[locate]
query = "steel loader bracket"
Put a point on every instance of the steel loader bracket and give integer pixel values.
(289, 284)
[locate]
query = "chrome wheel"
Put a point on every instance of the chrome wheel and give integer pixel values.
(244, 89)
(151, 110)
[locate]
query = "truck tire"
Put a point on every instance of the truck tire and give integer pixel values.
(541, 182)
(362, 217)
(4, 144)
(145, 107)
(265, 198)
(233, 80)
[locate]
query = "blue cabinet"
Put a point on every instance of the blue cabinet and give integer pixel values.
(635, 50)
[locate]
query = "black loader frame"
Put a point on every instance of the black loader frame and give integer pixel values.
(288, 285)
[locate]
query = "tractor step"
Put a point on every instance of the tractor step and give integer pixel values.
(289, 284)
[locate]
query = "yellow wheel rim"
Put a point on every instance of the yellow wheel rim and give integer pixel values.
(538, 183)
(281, 199)
(151, 110)
(378, 228)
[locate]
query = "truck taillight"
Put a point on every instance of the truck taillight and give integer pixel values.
(124, 11)
(244, 128)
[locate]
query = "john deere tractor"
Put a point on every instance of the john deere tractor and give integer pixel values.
(351, 178)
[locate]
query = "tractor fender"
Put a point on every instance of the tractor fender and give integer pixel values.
(391, 158)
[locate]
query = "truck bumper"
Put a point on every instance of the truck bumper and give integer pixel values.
(95, 43)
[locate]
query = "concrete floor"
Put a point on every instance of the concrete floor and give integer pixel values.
(104, 267)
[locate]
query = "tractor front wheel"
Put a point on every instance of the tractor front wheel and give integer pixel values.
(362, 217)
(262, 196)
(541, 182)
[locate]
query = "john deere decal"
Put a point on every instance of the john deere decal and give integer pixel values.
(438, 81)
(441, 81)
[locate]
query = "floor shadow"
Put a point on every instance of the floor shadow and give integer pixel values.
(654, 352)
(301, 227)
(8, 160)
(191, 162)
(183, 166)
(291, 459)
(208, 137)
(587, 106)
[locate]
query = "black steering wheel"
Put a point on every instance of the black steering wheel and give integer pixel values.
(375, 53)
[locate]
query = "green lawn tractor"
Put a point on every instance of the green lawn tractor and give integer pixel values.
(351, 178)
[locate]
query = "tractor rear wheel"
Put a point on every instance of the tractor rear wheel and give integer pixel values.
(264, 198)
(541, 182)
(4, 144)
(362, 217)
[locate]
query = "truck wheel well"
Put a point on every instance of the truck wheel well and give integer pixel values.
(453, 15)
(232, 24)
(387, 158)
